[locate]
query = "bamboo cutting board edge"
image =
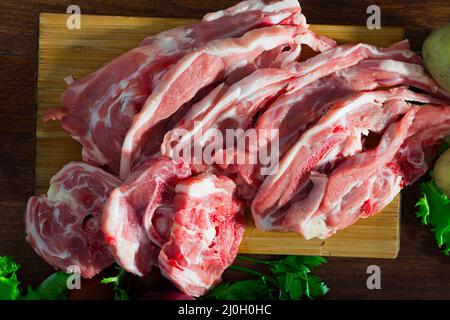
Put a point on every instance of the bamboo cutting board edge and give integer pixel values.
(63, 52)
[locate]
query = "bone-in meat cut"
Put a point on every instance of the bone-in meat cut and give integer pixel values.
(201, 68)
(207, 229)
(337, 135)
(100, 107)
(64, 226)
(147, 193)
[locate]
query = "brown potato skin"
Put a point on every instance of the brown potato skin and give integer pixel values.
(436, 54)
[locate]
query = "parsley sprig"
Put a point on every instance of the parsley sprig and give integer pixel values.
(53, 288)
(119, 283)
(434, 210)
(288, 278)
(9, 285)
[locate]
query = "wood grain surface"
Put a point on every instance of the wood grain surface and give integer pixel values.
(421, 271)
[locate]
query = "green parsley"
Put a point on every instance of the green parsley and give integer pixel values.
(9, 285)
(118, 282)
(53, 288)
(288, 278)
(434, 210)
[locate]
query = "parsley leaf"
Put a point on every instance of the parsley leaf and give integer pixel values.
(292, 274)
(53, 288)
(118, 284)
(434, 210)
(288, 278)
(9, 285)
(316, 287)
(254, 289)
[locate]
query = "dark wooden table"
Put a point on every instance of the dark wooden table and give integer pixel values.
(420, 272)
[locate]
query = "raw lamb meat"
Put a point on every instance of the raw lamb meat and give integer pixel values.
(235, 21)
(99, 108)
(273, 7)
(274, 58)
(431, 125)
(317, 81)
(292, 113)
(337, 135)
(206, 233)
(364, 184)
(244, 97)
(225, 108)
(357, 188)
(138, 214)
(64, 226)
(345, 56)
(209, 64)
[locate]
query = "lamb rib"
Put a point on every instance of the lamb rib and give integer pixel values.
(359, 186)
(431, 125)
(344, 56)
(364, 184)
(225, 108)
(337, 135)
(293, 112)
(209, 64)
(238, 19)
(100, 107)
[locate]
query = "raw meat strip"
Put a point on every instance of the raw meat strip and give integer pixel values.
(336, 135)
(147, 193)
(270, 59)
(274, 58)
(225, 108)
(359, 187)
(318, 84)
(207, 65)
(257, 6)
(364, 184)
(335, 63)
(431, 125)
(64, 226)
(206, 233)
(236, 20)
(292, 113)
(99, 108)
(345, 56)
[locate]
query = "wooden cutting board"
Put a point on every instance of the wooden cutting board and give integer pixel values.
(64, 52)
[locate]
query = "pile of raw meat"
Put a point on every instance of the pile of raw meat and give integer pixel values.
(355, 124)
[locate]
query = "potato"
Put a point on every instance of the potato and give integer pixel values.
(441, 172)
(436, 54)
